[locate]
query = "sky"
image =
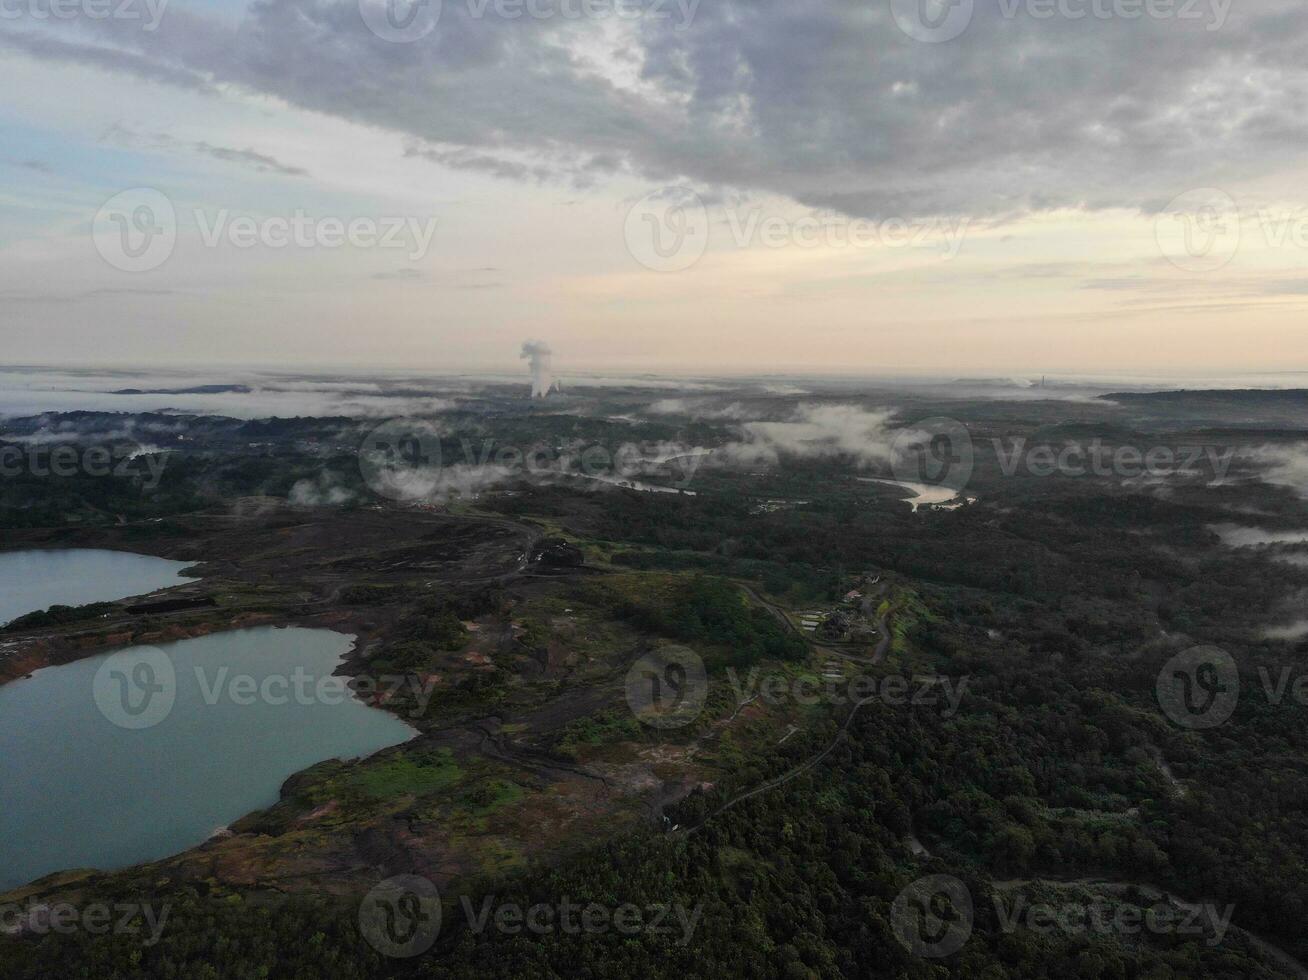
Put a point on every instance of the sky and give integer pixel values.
(725, 186)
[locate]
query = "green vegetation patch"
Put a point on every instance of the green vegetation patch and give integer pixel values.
(59, 616)
(404, 774)
(601, 728)
(709, 612)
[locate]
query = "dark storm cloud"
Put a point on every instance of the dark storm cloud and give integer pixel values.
(825, 101)
(98, 56)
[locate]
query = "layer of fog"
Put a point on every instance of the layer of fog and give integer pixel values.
(1296, 630)
(817, 431)
(324, 491)
(33, 393)
(1282, 466)
(1235, 536)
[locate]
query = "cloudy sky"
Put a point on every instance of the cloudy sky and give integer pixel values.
(981, 186)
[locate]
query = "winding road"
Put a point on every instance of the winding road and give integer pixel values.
(883, 646)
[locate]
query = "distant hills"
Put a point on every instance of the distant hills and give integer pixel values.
(197, 390)
(1213, 396)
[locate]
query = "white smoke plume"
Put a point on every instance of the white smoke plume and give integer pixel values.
(538, 356)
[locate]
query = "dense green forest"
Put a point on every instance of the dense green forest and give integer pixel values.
(1060, 604)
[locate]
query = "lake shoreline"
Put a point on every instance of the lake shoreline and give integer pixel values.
(230, 558)
(144, 824)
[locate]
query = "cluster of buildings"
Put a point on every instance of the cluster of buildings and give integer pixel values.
(853, 621)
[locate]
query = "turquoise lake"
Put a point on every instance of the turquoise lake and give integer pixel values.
(78, 789)
(32, 580)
